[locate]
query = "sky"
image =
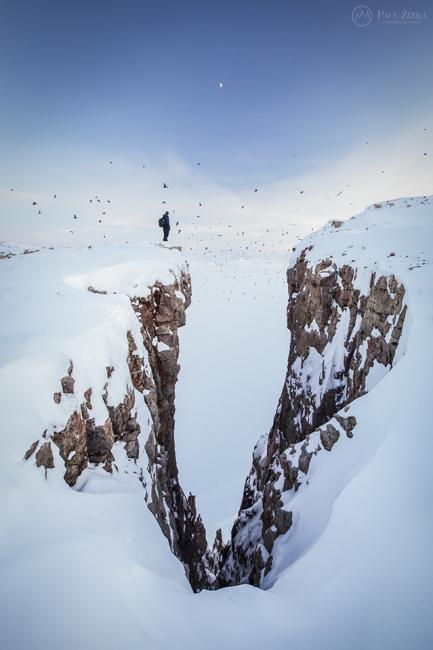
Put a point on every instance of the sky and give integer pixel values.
(92, 91)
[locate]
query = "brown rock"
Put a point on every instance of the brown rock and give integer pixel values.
(304, 459)
(68, 384)
(44, 457)
(283, 520)
(99, 441)
(348, 424)
(317, 302)
(72, 445)
(31, 450)
(87, 398)
(329, 436)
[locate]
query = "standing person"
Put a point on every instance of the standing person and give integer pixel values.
(165, 223)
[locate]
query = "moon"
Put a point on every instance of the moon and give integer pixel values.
(220, 84)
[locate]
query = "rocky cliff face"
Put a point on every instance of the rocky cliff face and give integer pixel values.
(160, 315)
(82, 442)
(338, 335)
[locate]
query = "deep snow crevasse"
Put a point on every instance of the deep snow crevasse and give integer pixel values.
(337, 336)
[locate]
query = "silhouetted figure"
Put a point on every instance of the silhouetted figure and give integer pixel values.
(164, 222)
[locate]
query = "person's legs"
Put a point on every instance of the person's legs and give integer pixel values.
(166, 231)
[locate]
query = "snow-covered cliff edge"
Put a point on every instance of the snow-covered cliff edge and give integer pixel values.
(93, 346)
(337, 488)
(346, 313)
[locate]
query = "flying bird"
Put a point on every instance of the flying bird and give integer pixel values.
(165, 187)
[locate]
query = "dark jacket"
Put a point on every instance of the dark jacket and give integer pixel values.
(166, 221)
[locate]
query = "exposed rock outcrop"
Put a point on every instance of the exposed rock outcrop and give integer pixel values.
(161, 314)
(83, 441)
(337, 336)
(44, 457)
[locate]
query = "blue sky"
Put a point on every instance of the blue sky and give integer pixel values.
(140, 80)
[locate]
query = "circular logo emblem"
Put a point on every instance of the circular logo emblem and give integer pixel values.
(362, 16)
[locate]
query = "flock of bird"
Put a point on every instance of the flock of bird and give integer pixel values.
(218, 241)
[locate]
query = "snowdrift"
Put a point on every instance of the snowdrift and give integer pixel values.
(88, 567)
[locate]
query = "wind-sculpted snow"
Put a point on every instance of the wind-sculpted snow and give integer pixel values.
(113, 322)
(88, 373)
